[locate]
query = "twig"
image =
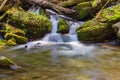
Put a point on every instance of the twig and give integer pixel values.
(3, 3)
(99, 13)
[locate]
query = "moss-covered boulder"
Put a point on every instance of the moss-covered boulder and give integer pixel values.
(63, 26)
(85, 9)
(34, 25)
(14, 35)
(100, 27)
(7, 63)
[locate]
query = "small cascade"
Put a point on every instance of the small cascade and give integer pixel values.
(54, 36)
(72, 32)
(66, 44)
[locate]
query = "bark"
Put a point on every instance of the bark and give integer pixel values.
(56, 8)
(2, 5)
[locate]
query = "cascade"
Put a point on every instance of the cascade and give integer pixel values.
(66, 44)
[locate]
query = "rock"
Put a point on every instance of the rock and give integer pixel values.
(117, 29)
(34, 25)
(7, 43)
(6, 62)
(63, 26)
(85, 9)
(100, 28)
(14, 35)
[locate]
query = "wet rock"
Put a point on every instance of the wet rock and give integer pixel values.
(6, 62)
(117, 29)
(100, 28)
(14, 35)
(85, 9)
(63, 26)
(34, 25)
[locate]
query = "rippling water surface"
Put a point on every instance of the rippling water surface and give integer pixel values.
(69, 61)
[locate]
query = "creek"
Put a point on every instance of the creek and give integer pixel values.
(62, 57)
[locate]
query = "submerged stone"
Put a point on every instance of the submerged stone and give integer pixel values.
(6, 62)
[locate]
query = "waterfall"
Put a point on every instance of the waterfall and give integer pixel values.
(72, 32)
(54, 36)
(63, 44)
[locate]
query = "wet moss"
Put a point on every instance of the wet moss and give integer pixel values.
(84, 9)
(99, 29)
(19, 39)
(63, 26)
(34, 25)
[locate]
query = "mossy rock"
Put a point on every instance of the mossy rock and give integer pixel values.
(34, 25)
(85, 9)
(4, 61)
(7, 43)
(7, 63)
(97, 30)
(19, 39)
(63, 26)
(14, 30)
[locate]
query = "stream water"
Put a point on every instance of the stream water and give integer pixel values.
(62, 57)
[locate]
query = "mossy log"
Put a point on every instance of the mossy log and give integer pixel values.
(100, 29)
(56, 8)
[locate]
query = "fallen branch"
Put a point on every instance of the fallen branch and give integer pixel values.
(3, 4)
(56, 8)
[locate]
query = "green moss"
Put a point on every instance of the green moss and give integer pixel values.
(19, 39)
(7, 43)
(84, 9)
(5, 62)
(63, 26)
(100, 29)
(44, 13)
(14, 30)
(35, 25)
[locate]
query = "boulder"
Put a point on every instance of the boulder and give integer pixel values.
(116, 27)
(14, 35)
(6, 62)
(100, 28)
(63, 26)
(34, 25)
(85, 9)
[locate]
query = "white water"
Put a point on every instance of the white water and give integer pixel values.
(60, 44)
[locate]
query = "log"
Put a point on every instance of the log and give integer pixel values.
(61, 10)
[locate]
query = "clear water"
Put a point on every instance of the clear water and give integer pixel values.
(51, 62)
